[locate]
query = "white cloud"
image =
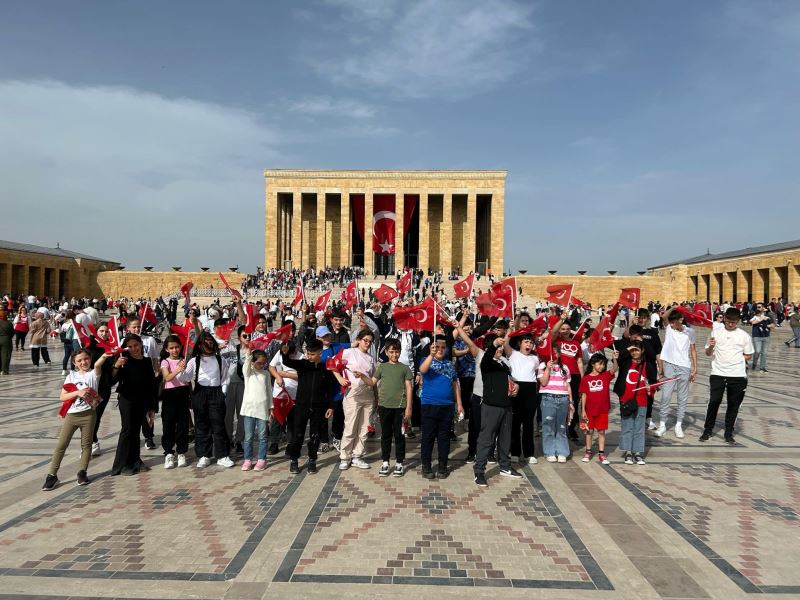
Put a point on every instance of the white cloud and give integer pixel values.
(150, 178)
(442, 48)
(325, 106)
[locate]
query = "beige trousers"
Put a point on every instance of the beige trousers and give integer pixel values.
(72, 422)
(357, 412)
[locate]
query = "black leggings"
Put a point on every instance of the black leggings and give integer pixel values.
(19, 339)
(524, 408)
(35, 355)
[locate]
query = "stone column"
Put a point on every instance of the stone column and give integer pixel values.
(424, 233)
(741, 287)
(38, 285)
(322, 238)
(446, 237)
(272, 231)
(713, 284)
(793, 285)
(399, 242)
(775, 284)
(496, 234)
(5, 278)
(470, 231)
(345, 228)
(758, 286)
(702, 288)
(728, 280)
(297, 230)
(369, 255)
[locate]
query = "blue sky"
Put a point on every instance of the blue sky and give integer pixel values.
(634, 133)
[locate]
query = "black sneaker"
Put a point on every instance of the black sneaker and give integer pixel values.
(50, 482)
(443, 473)
(150, 444)
(82, 478)
(492, 460)
(273, 449)
(294, 467)
(311, 466)
(470, 459)
(705, 437)
(453, 436)
(410, 433)
(480, 479)
(239, 448)
(428, 473)
(730, 439)
(510, 472)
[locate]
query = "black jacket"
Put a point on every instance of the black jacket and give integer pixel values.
(314, 382)
(495, 380)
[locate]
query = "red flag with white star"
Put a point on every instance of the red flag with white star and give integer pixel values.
(463, 289)
(404, 283)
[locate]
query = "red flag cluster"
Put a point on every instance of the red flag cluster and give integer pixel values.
(282, 334)
(698, 317)
(497, 302)
(536, 328)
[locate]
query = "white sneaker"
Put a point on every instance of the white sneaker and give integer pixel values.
(63, 372)
(95, 448)
(169, 461)
(551, 459)
(225, 462)
(532, 460)
(181, 460)
(562, 459)
(360, 463)
(652, 425)
(678, 430)
(344, 465)
(662, 429)
(203, 462)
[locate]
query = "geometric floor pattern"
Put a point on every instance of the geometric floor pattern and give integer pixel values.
(700, 520)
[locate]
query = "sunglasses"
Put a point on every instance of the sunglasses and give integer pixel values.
(245, 335)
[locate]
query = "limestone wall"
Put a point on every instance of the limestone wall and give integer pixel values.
(598, 289)
(151, 284)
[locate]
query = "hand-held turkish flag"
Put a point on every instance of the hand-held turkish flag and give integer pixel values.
(579, 333)
(463, 289)
(282, 404)
(336, 362)
(351, 294)
(505, 287)
(67, 404)
(185, 289)
(84, 336)
(629, 297)
(536, 328)
(404, 283)
(223, 332)
(420, 317)
(443, 317)
(612, 314)
(602, 335)
(232, 291)
(322, 301)
(146, 314)
(703, 309)
(657, 384)
(298, 294)
(184, 335)
(252, 317)
(113, 333)
(485, 305)
(696, 318)
(282, 334)
(503, 300)
(559, 293)
(383, 224)
(385, 294)
(544, 349)
(578, 302)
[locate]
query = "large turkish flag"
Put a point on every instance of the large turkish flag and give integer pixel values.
(383, 224)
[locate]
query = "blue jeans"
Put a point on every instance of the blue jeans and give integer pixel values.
(631, 435)
(252, 425)
(555, 409)
(760, 345)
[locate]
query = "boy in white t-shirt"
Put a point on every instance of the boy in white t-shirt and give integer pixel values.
(678, 360)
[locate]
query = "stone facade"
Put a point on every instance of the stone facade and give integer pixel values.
(51, 272)
(597, 290)
(151, 284)
(458, 226)
(756, 274)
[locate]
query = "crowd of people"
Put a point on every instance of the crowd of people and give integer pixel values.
(244, 380)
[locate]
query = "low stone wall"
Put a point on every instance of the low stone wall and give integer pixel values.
(600, 289)
(151, 284)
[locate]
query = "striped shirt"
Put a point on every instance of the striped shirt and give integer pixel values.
(559, 380)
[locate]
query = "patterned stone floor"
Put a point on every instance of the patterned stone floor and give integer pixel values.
(699, 521)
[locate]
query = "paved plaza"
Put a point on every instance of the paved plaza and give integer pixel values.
(698, 521)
